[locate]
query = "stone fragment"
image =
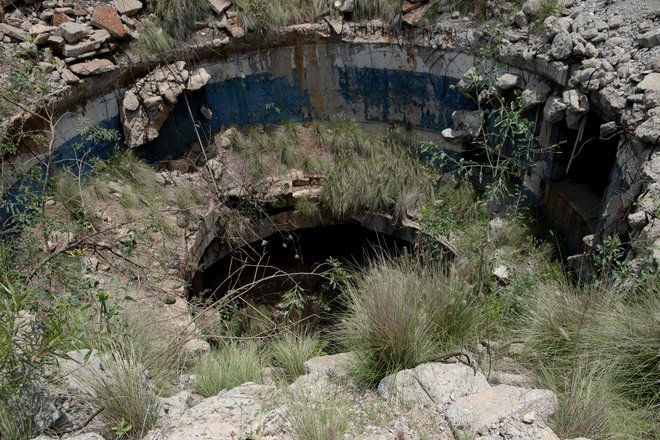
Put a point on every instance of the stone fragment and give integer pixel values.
(507, 81)
(336, 364)
(69, 77)
(607, 130)
(433, 384)
(127, 7)
(344, 5)
(74, 50)
(198, 79)
(206, 112)
(73, 32)
(196, 347)
(577, 105)
(554, 110)
(106, 17)
(650, 82)
(534, 94)
(637, 220)
(219, 6)
(413, 17)
(93, 67)
(562, 45)
(649, 39)
(59, 18)
(502, 274)
(14, 33)
(649, 130)
(40, 29)
(520, 19)
(225, 416)
(482, 410)
(611, 101)
(468, 121)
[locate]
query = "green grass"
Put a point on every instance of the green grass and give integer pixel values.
(370, 175)
(290, 351)
(178, 17)
(317, 415)
(307, 208)
(599, 350)
(386, 10)
(228, 367)
(125, 393)
(153, 39)
(402, 313)
(15, 426)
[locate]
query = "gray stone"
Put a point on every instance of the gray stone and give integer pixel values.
(611, 101)
(650, 82)
(469, 121)
(13, 32)
(650, 38)
(227, 416)
(73, 32)
(520, 19)
(336, 364)
(127, 7)
(196, 347)
(74, 50)
(577, 105)
(198, 79)
(638, 220)
(535, 94)
(615, 22)
(649, 130)
(433, 384)
(562, 45)
(93, 67)
(344, 5)
(607, 130)
(219, 6)
(554, 109)
(507, 81)
(473, 413)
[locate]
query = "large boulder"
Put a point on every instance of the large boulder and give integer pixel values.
(237, 413)
(433, 384)
(497, 408)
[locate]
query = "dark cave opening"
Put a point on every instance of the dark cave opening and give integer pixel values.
(581, 176)
(284, 260)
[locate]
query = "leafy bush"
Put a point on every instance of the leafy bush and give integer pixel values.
(402, 313)
(290, 351)
(228, 367)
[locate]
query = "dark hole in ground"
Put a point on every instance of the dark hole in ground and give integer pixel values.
(299, 252)
(575, 195)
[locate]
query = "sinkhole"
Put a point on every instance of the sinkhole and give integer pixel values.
(296, 265)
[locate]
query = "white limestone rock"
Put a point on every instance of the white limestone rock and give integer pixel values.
(433, 384)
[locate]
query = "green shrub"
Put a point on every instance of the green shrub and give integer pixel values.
(402, 313)
(228, 367)
(290, 351)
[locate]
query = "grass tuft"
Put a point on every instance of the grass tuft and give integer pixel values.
(228, 367)
(317, 415)
(290, 351)
(402, 313)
